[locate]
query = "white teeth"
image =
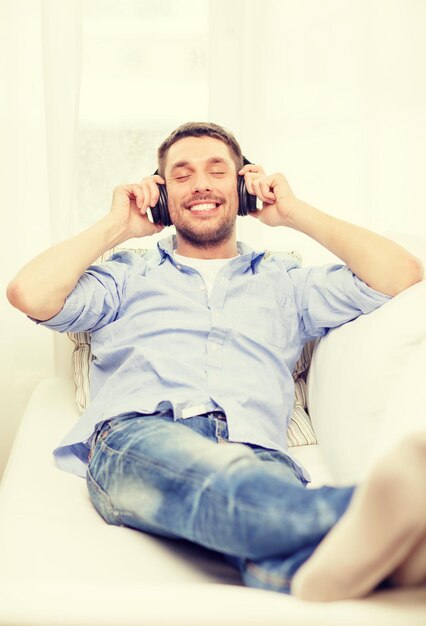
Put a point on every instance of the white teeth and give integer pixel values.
(203, 207)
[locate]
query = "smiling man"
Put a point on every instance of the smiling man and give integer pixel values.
(194, 344)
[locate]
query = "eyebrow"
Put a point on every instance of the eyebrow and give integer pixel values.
(210, 161)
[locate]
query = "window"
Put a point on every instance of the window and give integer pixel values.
(144, 72)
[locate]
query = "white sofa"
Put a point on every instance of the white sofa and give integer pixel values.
(61, 564)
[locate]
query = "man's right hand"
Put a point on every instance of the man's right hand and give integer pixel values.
(130, 204)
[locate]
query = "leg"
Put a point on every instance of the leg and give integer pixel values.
(276, 573)
(160, 476)
(376, 537)
(413, 571)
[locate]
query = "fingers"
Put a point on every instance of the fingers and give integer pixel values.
(144, 194)
(150, 191)
(252, 167)
(257, 183)
(263, 190)
(129, 207)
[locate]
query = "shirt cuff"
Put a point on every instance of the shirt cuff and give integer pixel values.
(62, 320)
(372, 299)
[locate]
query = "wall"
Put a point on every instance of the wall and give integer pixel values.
(332, 93)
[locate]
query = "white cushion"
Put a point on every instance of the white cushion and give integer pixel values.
(358, 373)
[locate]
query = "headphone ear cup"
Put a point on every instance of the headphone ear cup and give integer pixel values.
(247, 201)
(160, 212)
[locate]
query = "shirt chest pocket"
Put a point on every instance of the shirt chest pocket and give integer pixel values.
(267, 315)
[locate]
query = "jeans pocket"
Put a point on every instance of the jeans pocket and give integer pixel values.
(104, 428)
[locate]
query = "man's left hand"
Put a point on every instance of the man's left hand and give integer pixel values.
(274, 191)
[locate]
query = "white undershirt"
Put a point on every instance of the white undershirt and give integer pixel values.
(208, 268)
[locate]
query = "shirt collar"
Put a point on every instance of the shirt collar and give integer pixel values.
(247, 257)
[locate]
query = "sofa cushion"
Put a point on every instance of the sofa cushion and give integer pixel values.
(360, 373)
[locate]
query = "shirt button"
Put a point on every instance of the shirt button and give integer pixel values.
(179, 267)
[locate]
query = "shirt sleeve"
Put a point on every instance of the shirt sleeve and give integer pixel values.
(94, 301)
(330, 296)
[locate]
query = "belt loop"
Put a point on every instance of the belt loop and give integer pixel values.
(222, 435)
(219, 415)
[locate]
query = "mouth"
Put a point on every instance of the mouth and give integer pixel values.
(203, 208)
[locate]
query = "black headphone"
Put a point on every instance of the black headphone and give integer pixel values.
(246, 201)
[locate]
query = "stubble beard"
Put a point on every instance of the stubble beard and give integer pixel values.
(206, 238)
(203, 234)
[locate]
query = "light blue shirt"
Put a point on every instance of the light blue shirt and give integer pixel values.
(159, 342)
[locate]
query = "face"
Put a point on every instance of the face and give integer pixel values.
(201, 181)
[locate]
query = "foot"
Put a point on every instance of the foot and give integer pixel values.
(383, 523)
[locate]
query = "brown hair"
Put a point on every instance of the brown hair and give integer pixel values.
(200, 129)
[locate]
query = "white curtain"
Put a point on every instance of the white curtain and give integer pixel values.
(40, 67)
(332, 93)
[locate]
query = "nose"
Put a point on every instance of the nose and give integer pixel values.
(200, 183)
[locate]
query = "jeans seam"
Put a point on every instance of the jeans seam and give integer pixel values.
(267, 578)
(94, 483)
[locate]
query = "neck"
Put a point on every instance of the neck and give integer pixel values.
(225, 250)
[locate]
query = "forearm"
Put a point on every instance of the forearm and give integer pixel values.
(41, 287)
(379, 262)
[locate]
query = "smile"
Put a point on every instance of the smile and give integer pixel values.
(203, 207)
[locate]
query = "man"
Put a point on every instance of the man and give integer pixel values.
(194, 344)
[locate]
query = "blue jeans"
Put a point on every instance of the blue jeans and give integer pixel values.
(184, 479)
